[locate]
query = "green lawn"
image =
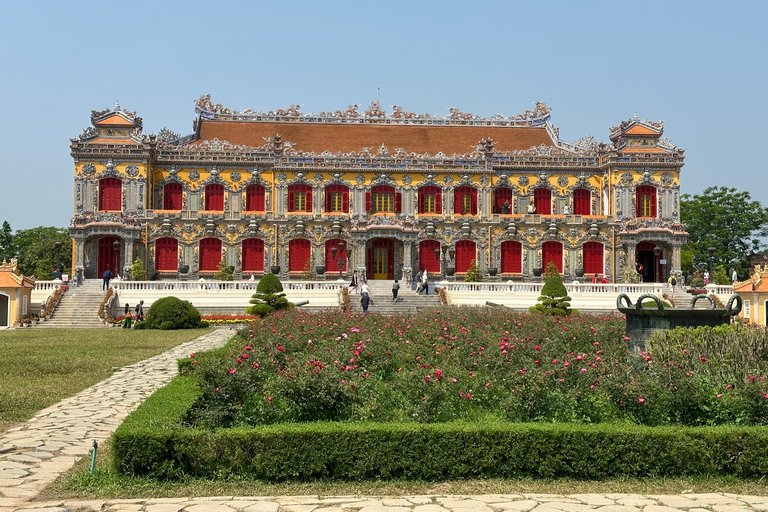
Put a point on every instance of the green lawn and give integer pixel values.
(41, 367)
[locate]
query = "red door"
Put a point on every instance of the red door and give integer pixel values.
(253, 255)
(110, 195)
(254, 198)
(210, 254)
(465, 253)
(593, 258)
(172, 196)
(166, 255)
(299, 253)
(582, 202)
(500, 196)
(381, 259)
(542, 200)
(214, 197)
(427, 259)
(552, 251)
(331, 264)
(108, 257)
(511, 258)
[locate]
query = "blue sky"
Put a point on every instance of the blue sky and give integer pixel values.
(699, 66)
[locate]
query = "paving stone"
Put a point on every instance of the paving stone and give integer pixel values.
(419, 500)
(47, 509)
(730, 508)
(18, 492)
(211, 506)
(760, 507)
(329, 509)
(429, 508)
(395, 502)
(22, 457)
(617, 508)
(568, 506)
(635, 501)
(517, 506)
(164, 507)
(680, 502)
(380, 508)
(597, 500)
(300, 508)
(86, 505)
(263, 506)
(496, 498)
(659, 508)
(363, 503)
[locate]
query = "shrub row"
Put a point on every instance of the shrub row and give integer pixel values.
(152, 442)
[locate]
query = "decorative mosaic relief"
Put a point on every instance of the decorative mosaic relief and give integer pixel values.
(448, 180)
(281, 177)
(484, 180)
(626, 178)
(523, 181)
(132, 170)
(562, 181)
(194, 175)
(235, 176)
(667, 179)
(89, 169)
(407, 179)
(318, 178)
(359, 179)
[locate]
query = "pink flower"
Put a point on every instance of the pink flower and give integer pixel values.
(469, 397)
(703, 359)
(566, 363)
(232, 371)
(269, 399)
(583, 370)
(426, 379)
(280, 348)
(438, 373)
(598, 359)
(488, 385)
(719, 396)
(192, 355)
(537, 347)
(453, 380)
(641, 400)
(751, 378)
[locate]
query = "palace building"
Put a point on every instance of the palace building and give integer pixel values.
(385, 194)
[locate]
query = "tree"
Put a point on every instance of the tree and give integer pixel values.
(727, 220)
(7, 247)
(37, 253)
(225, 272)
(554, 298)
(137, 270)
(473, 275)
(269, 297)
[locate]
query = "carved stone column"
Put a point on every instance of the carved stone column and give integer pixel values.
(676, 265)
(79, 263)
(128, 261)
(407, 261)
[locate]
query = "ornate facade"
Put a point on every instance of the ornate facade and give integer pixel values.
(303, 190)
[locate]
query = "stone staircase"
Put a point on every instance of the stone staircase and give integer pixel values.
(408, 301)
(78, 307)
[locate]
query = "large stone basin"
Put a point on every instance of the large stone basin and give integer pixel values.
(643, 322)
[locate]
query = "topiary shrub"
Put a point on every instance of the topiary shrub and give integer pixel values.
(554, 298)
(473, 274)
(137, 270)
(224, 273)
(172, 313)
(268, 297)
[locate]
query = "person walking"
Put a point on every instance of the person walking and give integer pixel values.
(127, 308)
(353, 283)
(734, 276)
(128, 320)
(364, 289)
(425, 284)
(140, 311)
(395, 289)
(706, 277)
(365, 300)
(106, 276)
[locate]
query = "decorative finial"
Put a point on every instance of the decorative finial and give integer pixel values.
(635, 117)
(117, 107)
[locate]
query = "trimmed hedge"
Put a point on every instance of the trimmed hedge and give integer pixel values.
(153, 442)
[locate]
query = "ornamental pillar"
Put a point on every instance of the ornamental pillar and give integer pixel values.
(128, 261)
(407, 261)
(79, 265)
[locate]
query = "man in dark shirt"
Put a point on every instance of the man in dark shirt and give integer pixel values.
(106, 276)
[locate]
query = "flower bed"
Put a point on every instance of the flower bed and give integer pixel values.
(462, 364)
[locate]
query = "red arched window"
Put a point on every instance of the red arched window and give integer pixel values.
(465, 201)
(299, 198)
(210, 254)
(254, 198)
(299, 253)
(166, 255)
(110, 195)
(593, 258)
(427, 260)
(511, 258)
(172, 196)
(430, 200)
(646, 201)
(214, 197)
(337, 199)
(500, 196)
(330, 262)
(383, 199)
(582, 202)
(552, 251)
(253, 255)
(465, 253)
(542, 199)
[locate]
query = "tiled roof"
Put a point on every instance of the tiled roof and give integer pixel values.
(348, 138)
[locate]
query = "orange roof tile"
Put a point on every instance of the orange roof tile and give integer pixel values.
(640, 130)
(352, 138)
(114, 120)
(7, 281)
(642, 150)
(116, 140)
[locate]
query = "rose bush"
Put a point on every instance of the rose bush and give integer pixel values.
(472, 364)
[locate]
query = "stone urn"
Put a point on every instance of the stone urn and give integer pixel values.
(450, 271)
(537, 272)
(320, 269)
(184, 269)
(275, 269)
(492, 271)
(579, 272)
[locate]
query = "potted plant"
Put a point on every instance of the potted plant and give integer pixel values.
(275, 269)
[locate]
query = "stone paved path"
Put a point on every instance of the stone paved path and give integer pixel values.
(34, 454)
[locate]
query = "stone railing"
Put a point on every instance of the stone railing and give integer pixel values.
(207, 286)
(47, 285)
(613, 289)
(720, 289)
